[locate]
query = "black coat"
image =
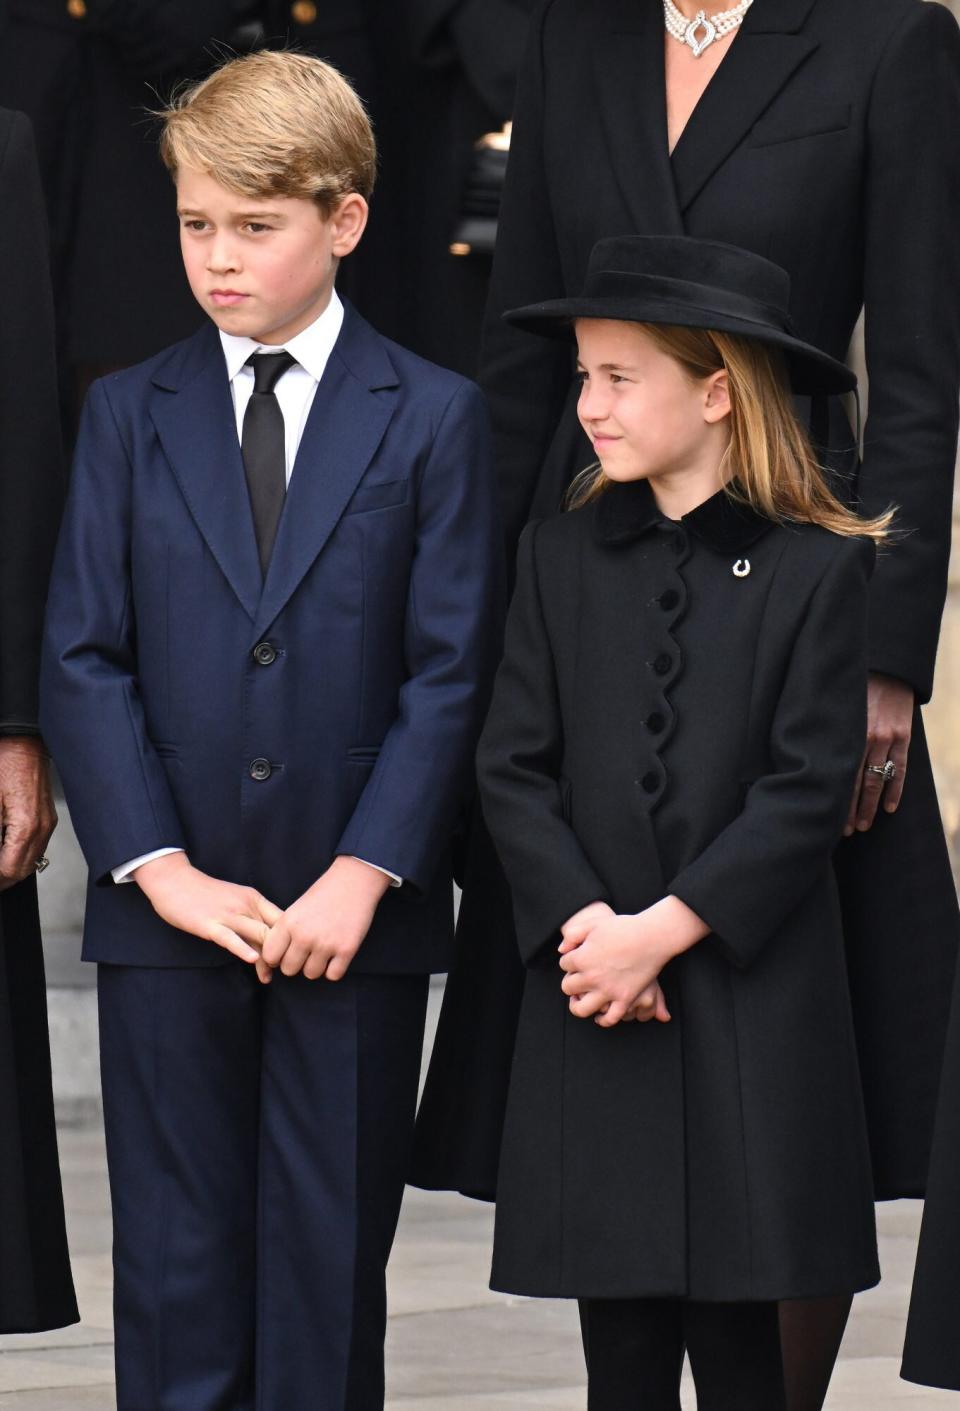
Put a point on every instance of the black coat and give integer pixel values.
(660, 725)
(826, 142)
(36, 1290)
(931, 1353)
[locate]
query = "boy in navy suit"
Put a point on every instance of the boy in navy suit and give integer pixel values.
(270, 635)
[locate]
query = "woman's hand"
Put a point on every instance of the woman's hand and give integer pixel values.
(890, 705)
(611, 963)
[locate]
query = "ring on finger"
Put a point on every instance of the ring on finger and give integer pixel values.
(887, 770)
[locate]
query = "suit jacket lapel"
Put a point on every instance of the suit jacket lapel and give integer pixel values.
(349, 416)
(195, 420)
(629, 75)
(762, 58)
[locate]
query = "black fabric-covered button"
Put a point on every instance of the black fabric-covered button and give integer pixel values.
(656, 723)
(663, 664)
(668, 600)
(264, 653)
(260, 770)
(650, 783)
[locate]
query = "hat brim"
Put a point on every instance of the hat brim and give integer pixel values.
(812, 372)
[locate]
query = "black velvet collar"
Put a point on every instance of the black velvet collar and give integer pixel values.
(626, 511)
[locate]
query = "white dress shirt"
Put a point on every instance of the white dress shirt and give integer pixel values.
(295, 392)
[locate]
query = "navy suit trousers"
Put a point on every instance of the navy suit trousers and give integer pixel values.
(257, 1143)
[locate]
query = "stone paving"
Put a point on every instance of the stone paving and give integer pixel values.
(453, 1345)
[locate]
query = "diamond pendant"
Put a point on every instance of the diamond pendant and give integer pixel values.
(690, 36)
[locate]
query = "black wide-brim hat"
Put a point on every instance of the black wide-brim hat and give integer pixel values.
(674, 279)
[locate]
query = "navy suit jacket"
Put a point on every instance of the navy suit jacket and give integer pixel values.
(377, 625)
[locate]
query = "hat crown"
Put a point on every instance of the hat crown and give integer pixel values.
(708, 263)
(676, 280)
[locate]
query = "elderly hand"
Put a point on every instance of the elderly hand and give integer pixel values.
(889, 726)
(27, 813)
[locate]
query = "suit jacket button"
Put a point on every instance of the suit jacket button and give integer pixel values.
(264, 653)
(304, 11)
(650, 783)
(668, 600)
(662, 664)
(260, 770)
(656, 723)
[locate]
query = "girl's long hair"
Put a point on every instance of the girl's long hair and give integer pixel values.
(770, 463)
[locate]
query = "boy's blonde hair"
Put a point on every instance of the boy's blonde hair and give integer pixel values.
(274, 123)
(769, 456)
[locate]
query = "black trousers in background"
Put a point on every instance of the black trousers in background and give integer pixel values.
(634, 1351)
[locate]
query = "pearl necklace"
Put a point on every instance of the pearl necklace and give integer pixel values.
(723, 22)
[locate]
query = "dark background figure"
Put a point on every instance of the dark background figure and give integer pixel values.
(802, 149)
(85, 71)
(456, 83)
(436, 76)
(36, 1289)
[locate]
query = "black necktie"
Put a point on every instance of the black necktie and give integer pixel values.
(263, 447)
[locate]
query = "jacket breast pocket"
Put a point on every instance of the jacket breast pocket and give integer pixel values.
(385, 495)
(794, 127)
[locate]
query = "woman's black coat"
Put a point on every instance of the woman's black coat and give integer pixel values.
(36, 1290)
(662, 725)
(931, 1354)
(827, 141)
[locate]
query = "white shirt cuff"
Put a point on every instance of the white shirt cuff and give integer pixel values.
(395, 881)
(122, 874)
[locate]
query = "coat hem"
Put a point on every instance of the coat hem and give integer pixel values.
(51, 1323)
(931, 1379)
(816, 1288)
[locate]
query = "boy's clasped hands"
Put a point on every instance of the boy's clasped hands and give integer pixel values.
(612, 962)
(318, 935)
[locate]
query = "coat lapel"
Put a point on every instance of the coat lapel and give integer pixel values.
(349, 416)
(628, 71)
(762, 58)
(195, 420)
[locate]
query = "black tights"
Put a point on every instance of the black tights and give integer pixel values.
(634, 1351)
(811, 1331)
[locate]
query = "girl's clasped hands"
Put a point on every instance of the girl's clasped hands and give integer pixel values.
(612, 962)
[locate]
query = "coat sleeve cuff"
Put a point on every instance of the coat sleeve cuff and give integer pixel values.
(737, 942)
(539, 928)
(915, 674)
(10, 728)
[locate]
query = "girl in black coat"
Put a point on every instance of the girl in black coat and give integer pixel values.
(825, 141)
(665, 771)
